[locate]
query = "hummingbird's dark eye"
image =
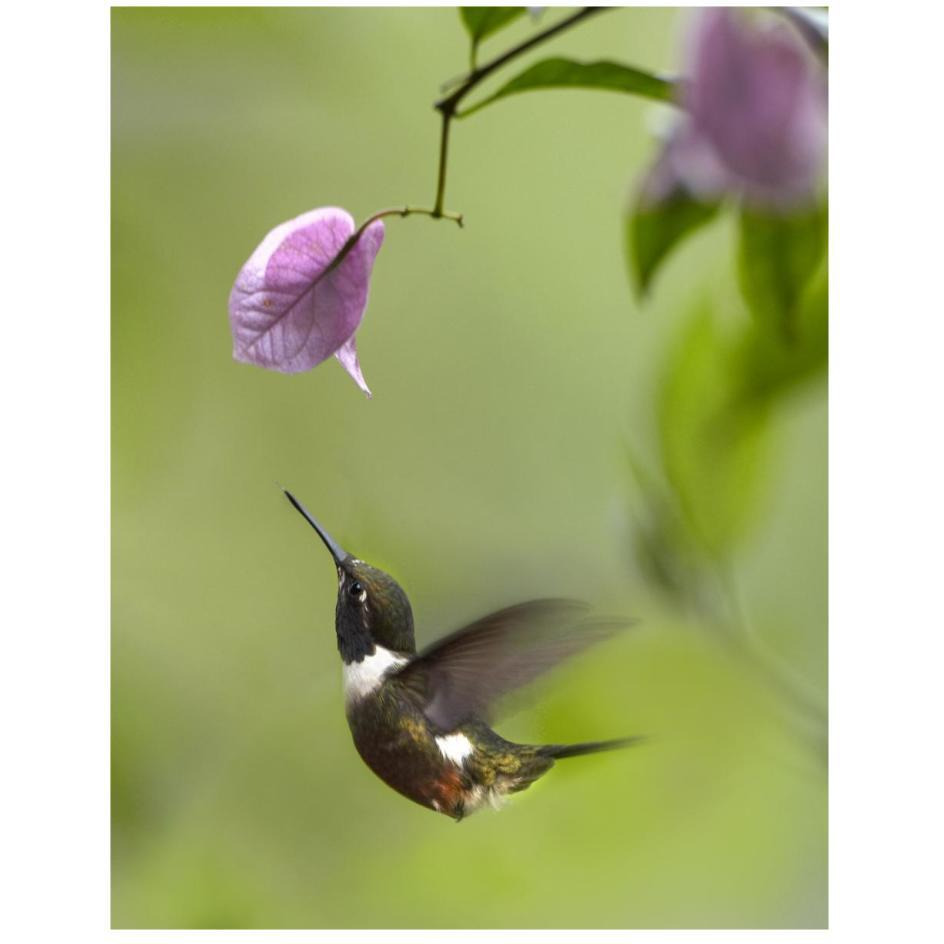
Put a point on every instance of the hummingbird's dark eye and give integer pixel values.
(355, 589)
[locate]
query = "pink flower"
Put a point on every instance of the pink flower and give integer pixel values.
(293, 305)
(756, 113)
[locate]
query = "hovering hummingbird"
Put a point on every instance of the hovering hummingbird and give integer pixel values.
(420, 721)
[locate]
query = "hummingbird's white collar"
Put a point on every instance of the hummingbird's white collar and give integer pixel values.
(361, 678)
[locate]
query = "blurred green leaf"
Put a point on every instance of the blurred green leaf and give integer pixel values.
(566, 73)
(661, 542)
(713, 446)
(654, 228)
(768, 367)
(777, 256)
(481, 22)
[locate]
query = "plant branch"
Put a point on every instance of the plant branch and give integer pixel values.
(379, 215)
(448, 106)
(443, 161)
(450, 103)
(794, 695)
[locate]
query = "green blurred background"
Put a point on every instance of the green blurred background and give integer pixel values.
(512, 372)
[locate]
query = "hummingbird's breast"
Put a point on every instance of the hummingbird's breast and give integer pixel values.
(454, 772)
(396, 742)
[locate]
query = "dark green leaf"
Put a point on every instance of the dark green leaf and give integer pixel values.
(713, 446)
(778, 255)
(481, 22)
(654, 227)
(566, 73)
(769, 367)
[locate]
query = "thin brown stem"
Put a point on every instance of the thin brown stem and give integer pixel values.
(479, 74)
(447, 106)
(379, 215)
(443, 161)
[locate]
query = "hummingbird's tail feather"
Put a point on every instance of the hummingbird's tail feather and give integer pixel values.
(558, 751)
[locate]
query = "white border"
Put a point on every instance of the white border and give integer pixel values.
(886, 484)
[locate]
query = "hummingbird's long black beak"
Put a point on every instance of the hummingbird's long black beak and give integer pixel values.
(337, 552)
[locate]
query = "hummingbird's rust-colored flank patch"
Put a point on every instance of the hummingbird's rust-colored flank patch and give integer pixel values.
(447, 792)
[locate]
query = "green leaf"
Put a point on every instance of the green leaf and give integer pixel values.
(654, 228)
(566, 73)
(662, 544)
(714, 447)
(778, 255)
(768, 367)
(481, 22)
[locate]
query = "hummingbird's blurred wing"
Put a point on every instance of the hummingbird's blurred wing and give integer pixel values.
(462, 675)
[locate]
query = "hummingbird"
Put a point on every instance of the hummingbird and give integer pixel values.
(421, 720)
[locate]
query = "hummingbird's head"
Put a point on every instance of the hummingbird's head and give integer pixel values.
(372, 608)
